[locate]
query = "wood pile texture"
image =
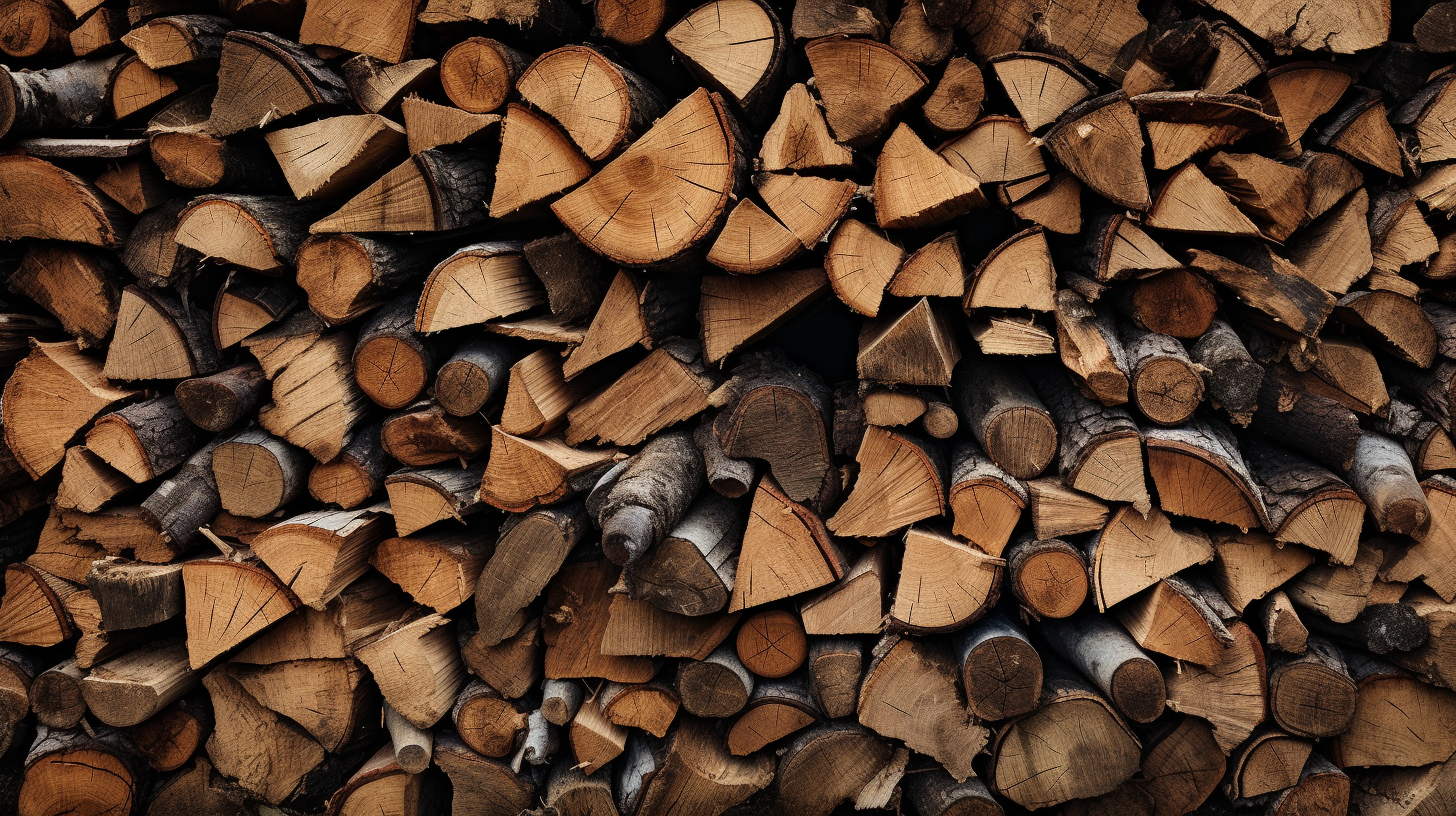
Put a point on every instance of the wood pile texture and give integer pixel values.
(642, 408)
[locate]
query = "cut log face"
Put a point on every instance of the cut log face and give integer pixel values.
(857, 116)
(264, 77)
(622, 350)
(1026, 745)
(910, 684)
(1101, 142)
(786, 551)
(901, 482)
(614, 211)
(597, 102)
(944, 584)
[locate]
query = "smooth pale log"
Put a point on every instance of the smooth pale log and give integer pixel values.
(1104, 652)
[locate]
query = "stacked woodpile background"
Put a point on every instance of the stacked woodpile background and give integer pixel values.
(950, 407)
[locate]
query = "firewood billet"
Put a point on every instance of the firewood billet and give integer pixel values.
(902, 480)
(906, 681)
(767, 391)
(638, 504)
(840, 758)
(1100, 449)
(1011, 423)
(1134, 552)
(212, 581)
(574, 626)
(692, 571)
(113, 777)
(1104, 652)
(1048, 576)
(944, 584)
(1312, 694)
(1030, 742)
(716, 686)
(530, 549)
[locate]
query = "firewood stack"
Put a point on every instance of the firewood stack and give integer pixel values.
(629, 409)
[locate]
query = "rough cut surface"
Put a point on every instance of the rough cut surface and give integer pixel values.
(727, 408)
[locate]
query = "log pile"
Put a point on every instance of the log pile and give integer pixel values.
(628, 408)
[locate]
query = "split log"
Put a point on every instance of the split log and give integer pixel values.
(778, 412)
(985, 501)
(910, 683)
(322, 551)
(1134, 552)
(600, 210)
(1100, 450)
(126, 690)
(1312, 695)
(417, 667)
(100, 771)
(528, 553)
(944, 584)
(1026, 746)
(208, 583)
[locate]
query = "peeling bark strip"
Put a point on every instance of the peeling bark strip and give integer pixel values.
(954, 407)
